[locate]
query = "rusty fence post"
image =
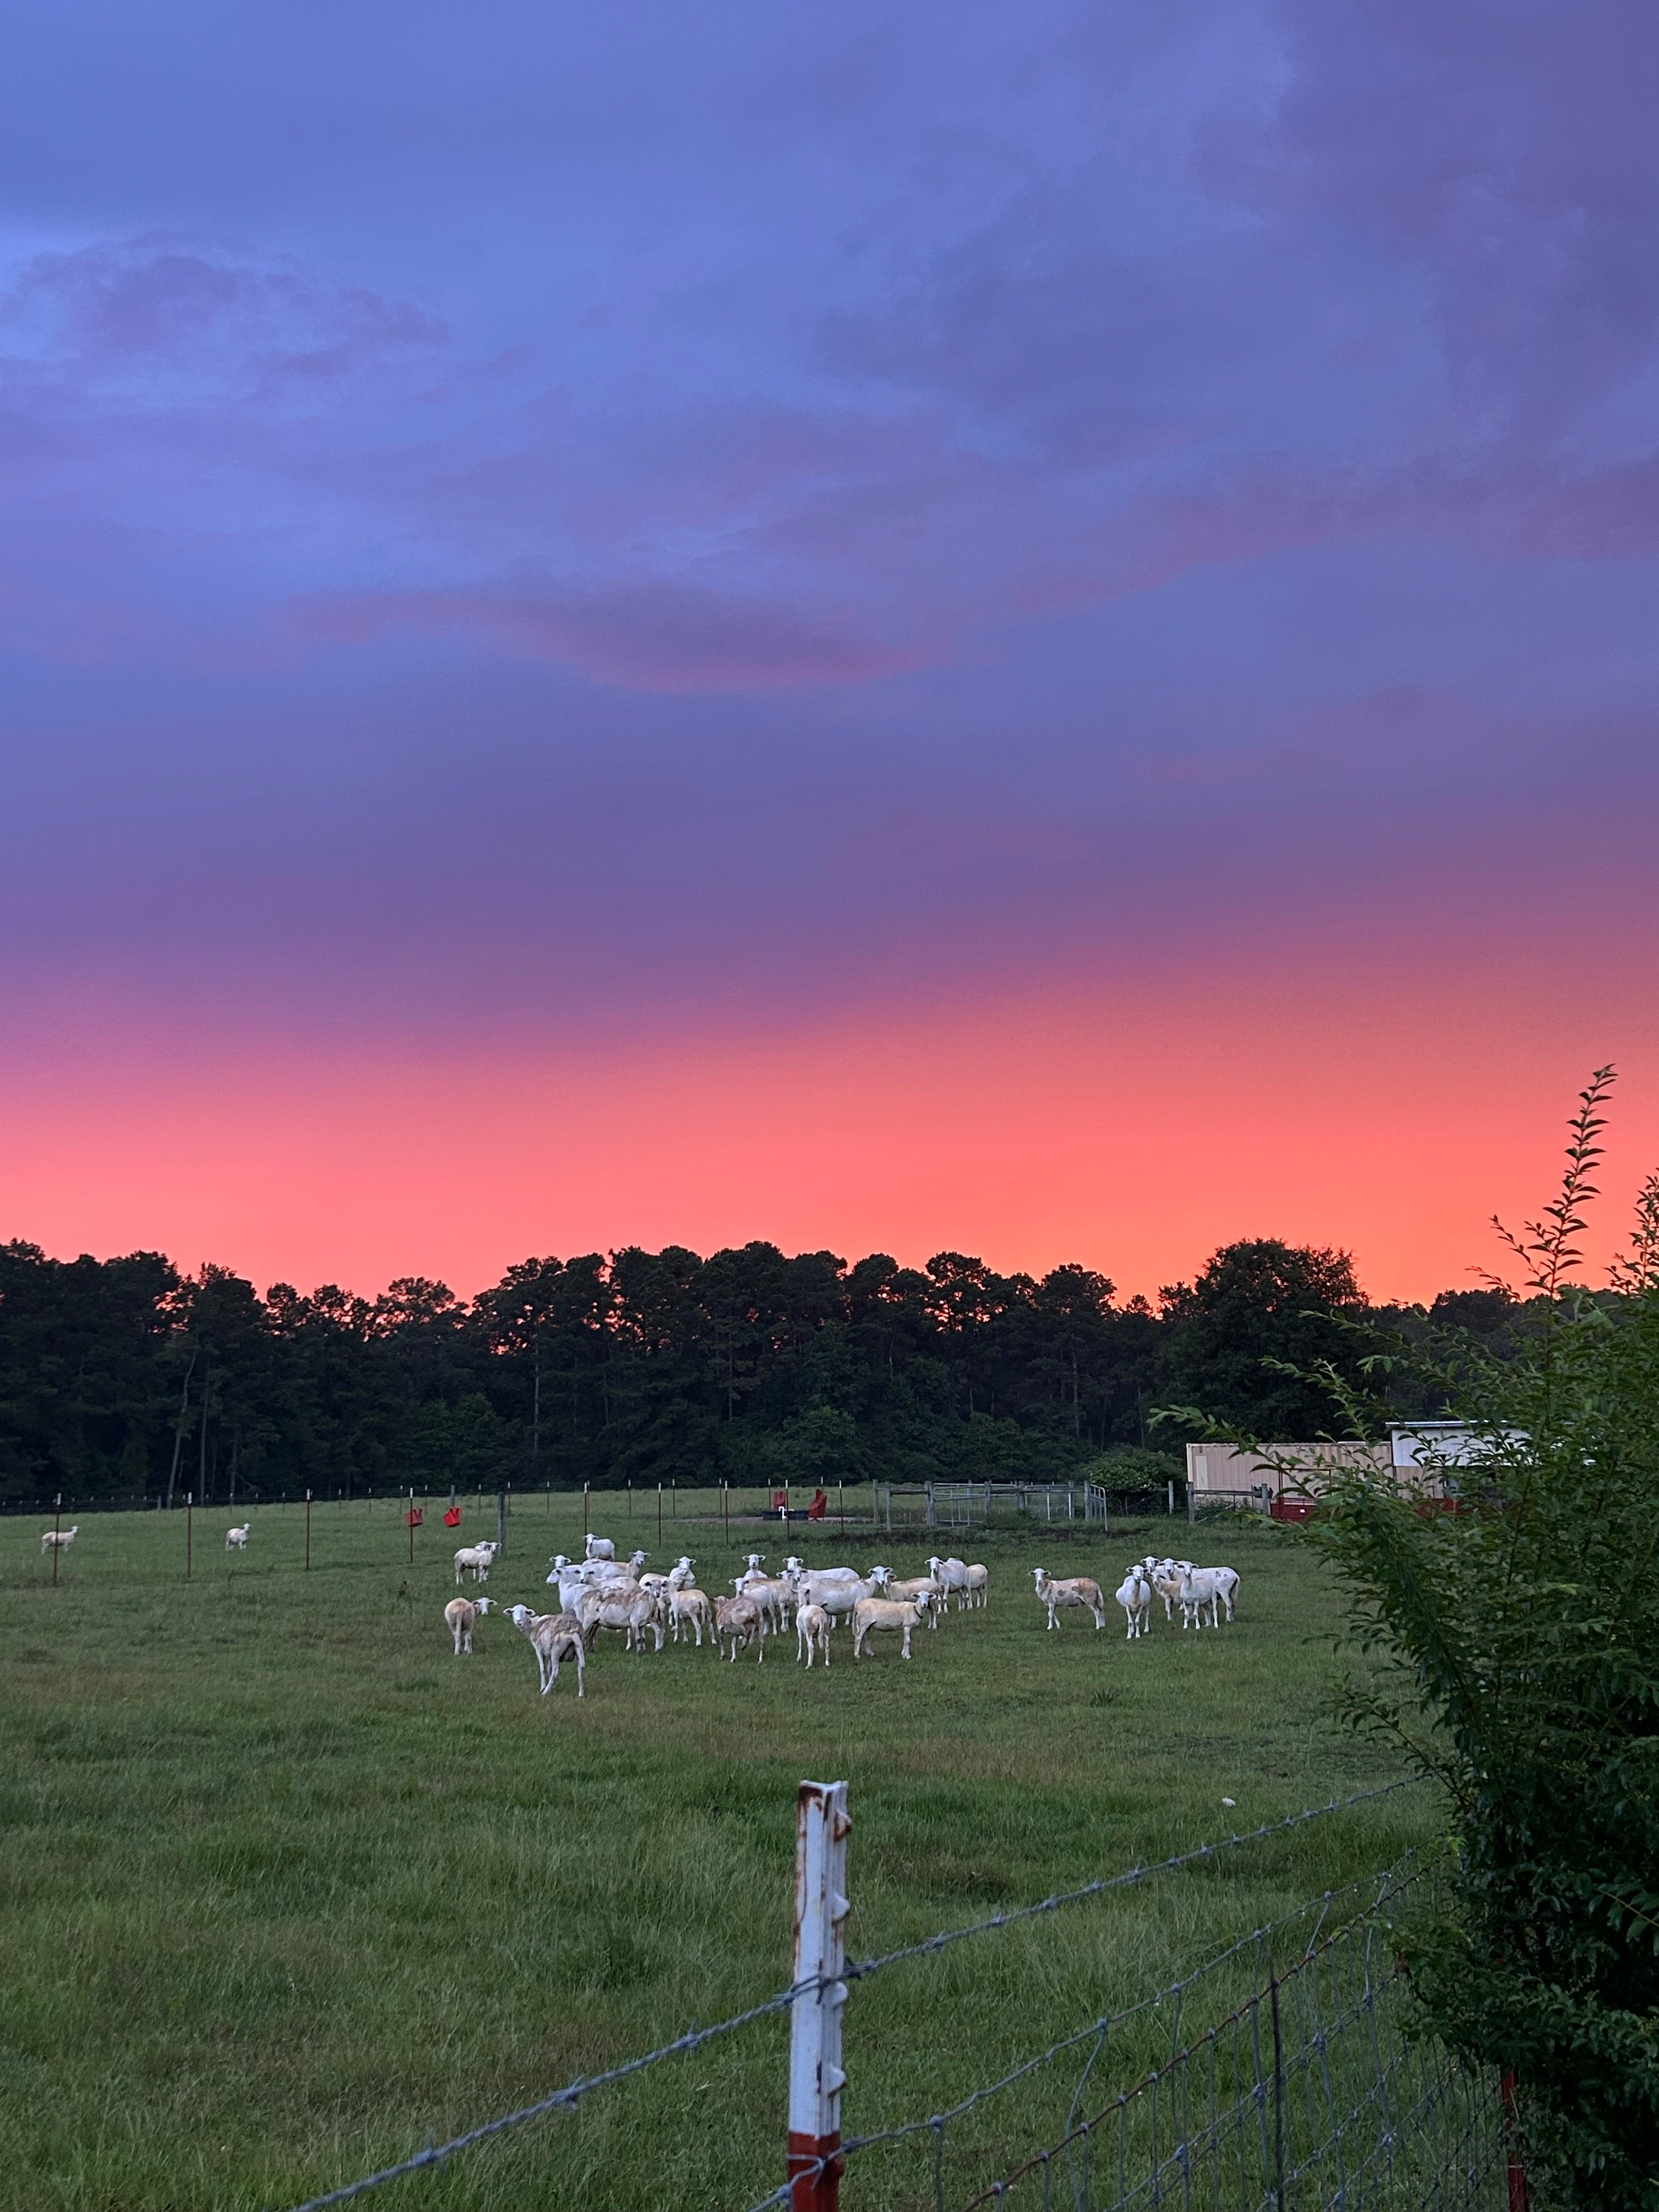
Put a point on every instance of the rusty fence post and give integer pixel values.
(57, 1534)
(816, 2079)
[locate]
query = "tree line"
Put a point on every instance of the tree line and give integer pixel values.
(128, 1378)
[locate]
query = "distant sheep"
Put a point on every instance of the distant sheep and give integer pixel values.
(599, 1547)
(740, 1621)
(236, 1539)
(59, 1539)
(812, 1633)
(475, 1560)
(872, 1613)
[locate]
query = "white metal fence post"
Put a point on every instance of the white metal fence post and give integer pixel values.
(822, 1826)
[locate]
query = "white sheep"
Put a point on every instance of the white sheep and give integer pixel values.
(236, 1539)
(951, 1575)
(811, 1632)
(1206, 1586)
(553, 1637)
(837, 1596)
(690, 1611)
(59, 1539)
(682, 1574)
(598, 1572)
(914, 1587)
(773, 1595)
(461, 1616)
(1134, 1594)
(979, 1585)
(1072, 1590)
(599, 1547)
(476, 1560)
(872, 1613)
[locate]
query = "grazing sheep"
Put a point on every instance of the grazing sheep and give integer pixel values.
(553, 1637)
(689, 1611)
(1073, 1589)
(475, 1559)
(743, 1621)
(812, 1630)
(462, 1615)
(59, 1539)
(236, 1539)
(872, 1613)
(1134, 1594)
(599, 1547)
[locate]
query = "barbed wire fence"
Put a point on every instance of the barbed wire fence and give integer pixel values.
(1282, 2073)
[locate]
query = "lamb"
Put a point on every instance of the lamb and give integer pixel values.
(461, 1616)
(1075, 1590)
(743, 1621)
(812, 1630)
(599, 1547)
(979, 1585)
(689, 1608)
(553, 1637)
(236, 1539)
(1134, 1594)
(872, 1613)
(59, 1539)
(624, 1606)
(475, 1560)
(952, 1575)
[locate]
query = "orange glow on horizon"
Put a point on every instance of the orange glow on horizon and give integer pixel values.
(1132, 1138)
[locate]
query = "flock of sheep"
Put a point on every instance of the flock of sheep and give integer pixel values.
(599, 1592)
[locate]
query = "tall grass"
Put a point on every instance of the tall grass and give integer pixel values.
(288, 1891)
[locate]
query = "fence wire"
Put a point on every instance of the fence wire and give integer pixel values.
(568, 2097)
(1285, 2072)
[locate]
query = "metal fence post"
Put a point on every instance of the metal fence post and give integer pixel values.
(190, 1512)
(57, 1541)
(816, 2079)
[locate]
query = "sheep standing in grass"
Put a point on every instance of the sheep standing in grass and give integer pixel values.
(59, 1539)
(811, 1632)
(979, 1585)
(951, 1575)
(461, 1616)
(914, 1587)
(1072, 1590)
(1134, 1594)
(741, 1622)
(689, 1613)
(553, 1637)
(872, 1613)
(236, 1539)
(598, 1548)
(475, 1559)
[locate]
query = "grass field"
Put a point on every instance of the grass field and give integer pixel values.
(289, 1891)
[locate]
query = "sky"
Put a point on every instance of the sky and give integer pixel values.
(1026, 630)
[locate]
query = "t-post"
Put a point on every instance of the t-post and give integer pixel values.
(659, 1517)
(500, 1520)
(816, 2079)
(585, 1486)
(725, 1508)
(190, 1509)
(307, 1532)
(841, 1501)
(57, 1524)
(409, 1517)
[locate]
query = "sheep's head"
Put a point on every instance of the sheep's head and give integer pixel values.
(484, 1604)
(517, 1614)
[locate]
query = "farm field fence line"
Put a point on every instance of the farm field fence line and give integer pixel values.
(823, 1976)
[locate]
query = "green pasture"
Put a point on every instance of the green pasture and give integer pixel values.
(289, 1891)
